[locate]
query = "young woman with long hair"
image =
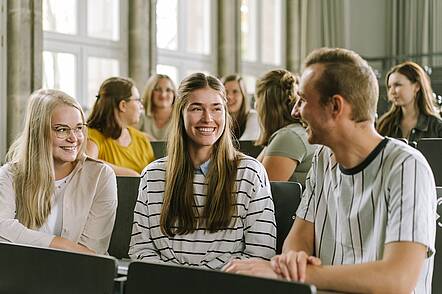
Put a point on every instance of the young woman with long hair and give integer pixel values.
(51, 194)
(286, 155)
(245, 120)
(158, 98)
(111, 137)
(413, 114)
(205, 203)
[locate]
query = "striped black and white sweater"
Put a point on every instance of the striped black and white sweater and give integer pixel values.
(253, 233)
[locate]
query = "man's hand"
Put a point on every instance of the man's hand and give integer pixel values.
(253, 267)
(293, 264)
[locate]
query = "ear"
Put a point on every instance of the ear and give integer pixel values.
(337, 105)
(122, 106)
(417, 87)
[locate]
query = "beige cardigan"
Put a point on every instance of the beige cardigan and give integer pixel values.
(89, 208)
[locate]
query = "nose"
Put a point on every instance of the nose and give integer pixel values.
(207, 116)
(296, 110)
(72, 136)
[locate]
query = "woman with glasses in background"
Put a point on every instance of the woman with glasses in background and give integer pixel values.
(245, 120)
(158, 98)
(51, 194)
(111, 137)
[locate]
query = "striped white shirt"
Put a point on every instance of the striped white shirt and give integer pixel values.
(253, 233)
(389, 197)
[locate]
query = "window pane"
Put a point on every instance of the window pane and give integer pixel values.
(167, 27)
(248, 29)
(59, 71)
(271, 32)
(250, 82)
(169, 70)
(98, 70)
(198, 26)
(103, 19)
(60, 16)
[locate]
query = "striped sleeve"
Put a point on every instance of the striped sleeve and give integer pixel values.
(307, 209)
(411, 203)
(141, 244)
(259, 222)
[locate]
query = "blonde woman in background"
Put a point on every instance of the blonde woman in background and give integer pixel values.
(111, 137)
(245, 120)
(287, 155)
(158, 98)
(205, 203)
(51, 194)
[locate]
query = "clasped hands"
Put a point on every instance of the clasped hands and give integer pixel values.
(291, 266)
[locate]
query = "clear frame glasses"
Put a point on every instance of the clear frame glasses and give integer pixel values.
(62, 131)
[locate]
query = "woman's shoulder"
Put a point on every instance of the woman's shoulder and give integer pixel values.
(6, 171)
(248, 162)
(95, 134)
(158, 165)
(89, 163)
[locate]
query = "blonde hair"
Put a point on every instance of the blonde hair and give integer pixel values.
(178, 210)
(424, 97)
(239, 122)
(151, 83)
(275, 98)
(30, 157)
(347, 74)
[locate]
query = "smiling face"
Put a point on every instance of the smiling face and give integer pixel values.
(234, 96)
(67, 134)
(401, 91)
(204, 119)
(309, 107)
(163, 94)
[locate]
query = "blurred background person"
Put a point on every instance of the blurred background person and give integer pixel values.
(413, 114)
(245, 120)
(287, 155)
(111, 137)
(158, 98)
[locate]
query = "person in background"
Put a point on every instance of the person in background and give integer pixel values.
(205, 203)
(111, 137)
(51, 193)
(245, 120)
(413, 114)
(287, 155)
(158, 98)
(367, 218)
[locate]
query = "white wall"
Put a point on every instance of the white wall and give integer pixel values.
(2, 80)
(367, 27)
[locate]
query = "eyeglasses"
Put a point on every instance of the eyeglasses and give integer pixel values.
(62, 131)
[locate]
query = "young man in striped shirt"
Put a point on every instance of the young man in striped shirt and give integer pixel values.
(366, 222)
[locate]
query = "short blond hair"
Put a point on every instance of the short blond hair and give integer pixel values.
(349, 75)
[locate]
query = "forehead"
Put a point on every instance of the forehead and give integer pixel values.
(66, 114)
(397, 77)
(232, 84)
(205, 96)
(164, 82)
(309, 77)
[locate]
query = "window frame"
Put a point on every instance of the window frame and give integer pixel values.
(183, 60)
(258, 68)
(82, 47)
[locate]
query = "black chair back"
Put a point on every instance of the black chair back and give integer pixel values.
(127, 196)
(431, 149)
(159, 148)
(248, 148)
(437, 282)
(161, 278)
(286, 197)
(27, 269)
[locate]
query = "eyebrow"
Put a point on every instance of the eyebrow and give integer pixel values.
(202, 104)
(65, 125)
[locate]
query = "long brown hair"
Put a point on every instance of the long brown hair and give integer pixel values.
(102, 117)
(179, 214)
(151, 83)
(275, 98)
(424, 97)
(240, 120)
(31, 160)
